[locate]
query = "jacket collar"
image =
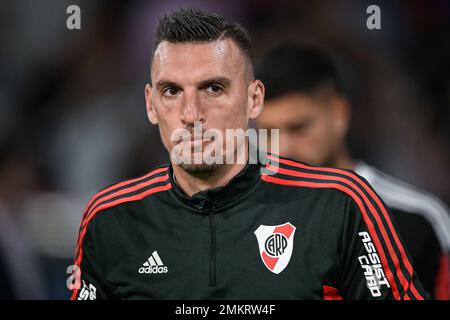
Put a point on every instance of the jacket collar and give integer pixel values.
(219, 197)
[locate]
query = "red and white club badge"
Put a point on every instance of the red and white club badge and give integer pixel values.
(275, 245)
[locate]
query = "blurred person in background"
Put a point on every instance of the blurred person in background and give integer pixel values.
(305, 99)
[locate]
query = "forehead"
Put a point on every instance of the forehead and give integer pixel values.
(194, 61)
(289, 109)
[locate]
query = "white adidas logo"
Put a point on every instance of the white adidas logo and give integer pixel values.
(153, 264)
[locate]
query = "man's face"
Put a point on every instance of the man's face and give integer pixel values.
(312, 129)
(205, 83)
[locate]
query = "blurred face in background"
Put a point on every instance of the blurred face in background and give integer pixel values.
(312, 127)
(208, 83)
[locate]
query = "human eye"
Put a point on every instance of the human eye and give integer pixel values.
(214, 89)
(171, 91)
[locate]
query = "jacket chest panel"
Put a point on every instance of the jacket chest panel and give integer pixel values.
(175, 259)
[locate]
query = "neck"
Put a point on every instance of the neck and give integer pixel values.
(191, 183)
(343, 160)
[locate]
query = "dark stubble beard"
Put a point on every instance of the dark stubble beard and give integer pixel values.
(201, 168)
(206, 168)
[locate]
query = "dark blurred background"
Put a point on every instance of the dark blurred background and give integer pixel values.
(73, 120)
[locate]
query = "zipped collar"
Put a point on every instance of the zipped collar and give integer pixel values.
(219, 197)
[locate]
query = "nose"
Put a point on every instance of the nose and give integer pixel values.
(191, 109)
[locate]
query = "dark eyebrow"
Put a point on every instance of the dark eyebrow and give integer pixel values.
(299, 124)
(165, 83)
(224, 81)
(202, 84)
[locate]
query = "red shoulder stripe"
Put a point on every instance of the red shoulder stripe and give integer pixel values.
(124, 191)
(97, 198)
(383, 210)
(374, 212)
(139, 196)
(120, 184)
(370, 226)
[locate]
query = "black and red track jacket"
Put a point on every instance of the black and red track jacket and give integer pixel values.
(280, 230)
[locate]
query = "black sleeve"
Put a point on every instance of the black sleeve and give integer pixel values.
(91, 282)
(374, 263)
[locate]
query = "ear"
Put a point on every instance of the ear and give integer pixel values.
(341, 114)
(256, 92)
(151, 113)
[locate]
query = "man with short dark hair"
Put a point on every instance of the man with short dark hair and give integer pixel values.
(306, 101)
(231, 228)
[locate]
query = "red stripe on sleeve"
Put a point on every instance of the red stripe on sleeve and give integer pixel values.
(121, 192)
(331, 293)
(366, 219)
(110, 205)
(115, 186)
(409, 285)
(442, 287)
